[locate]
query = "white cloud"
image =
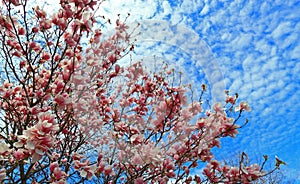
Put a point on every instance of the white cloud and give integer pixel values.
(167, 41)
(204, 10)
(281, 29)
(137, 8)
(166, 8)
(295, 53)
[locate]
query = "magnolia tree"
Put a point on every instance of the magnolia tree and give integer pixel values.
(72, 111)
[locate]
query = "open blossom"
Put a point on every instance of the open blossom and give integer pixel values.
(86, 169)
(19, 154)
(86, 22)
(243, 107)
(108, 170)
(57, 173)
(219, 109)
(39, 138)
(230, 99)
(21, 31)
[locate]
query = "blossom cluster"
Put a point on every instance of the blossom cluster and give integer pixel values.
(72, 110)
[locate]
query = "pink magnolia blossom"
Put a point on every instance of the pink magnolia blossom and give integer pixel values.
(20, 154)
(243, 107)
(58, 175)
(38, 138)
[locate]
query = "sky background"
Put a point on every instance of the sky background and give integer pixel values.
(249, 47)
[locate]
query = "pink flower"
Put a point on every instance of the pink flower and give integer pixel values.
(45, 24)
(57, 57)
(108, 170)
(86, 22)
(36, 47)
(16, 2)
(59, 100)
(77, 156)
(53, 165)
(46, 56)
(243, 107)
(122, 27)
(35, 29)
(39, 138)
(88, 171)
(231, 99)
(19, 154)
(219, 108)
(136, 139)
(60, 22)
(58, 174)
(137, 160)
(21, 31)
(40, 13)
(139, 180)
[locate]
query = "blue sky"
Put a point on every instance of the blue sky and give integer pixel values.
(249, 47)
